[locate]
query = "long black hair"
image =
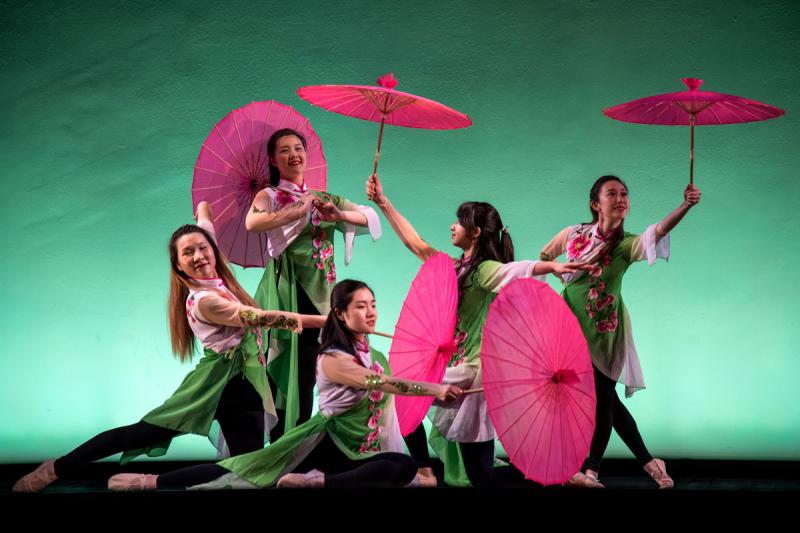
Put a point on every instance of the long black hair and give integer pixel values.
(494, 242)
(274, 175)
(335, 333)
(615, 238)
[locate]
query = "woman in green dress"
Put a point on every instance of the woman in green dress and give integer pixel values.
(595, 297)
(462, 434)
(300, 271)
(353, 441)
(228, 385)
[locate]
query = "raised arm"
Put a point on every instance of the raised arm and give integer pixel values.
(402, 227)
(691, 197)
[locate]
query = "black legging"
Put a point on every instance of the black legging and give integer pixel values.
(417, 444)
(611, 412)
(385, 469)
(240, 414)
(307, 350)
(478, 461)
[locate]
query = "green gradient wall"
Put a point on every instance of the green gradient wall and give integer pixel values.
(104, 108)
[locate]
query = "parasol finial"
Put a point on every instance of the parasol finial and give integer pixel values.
(388, 81)
(566, 376)
(692, 83)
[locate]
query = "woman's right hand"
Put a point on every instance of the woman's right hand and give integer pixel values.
(448, 393)
(375, 190)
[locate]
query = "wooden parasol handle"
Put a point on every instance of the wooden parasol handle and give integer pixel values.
(692, 118)
(378, 151)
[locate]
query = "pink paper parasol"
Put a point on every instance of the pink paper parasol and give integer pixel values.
(423, 337)
(692, 108)
(538, 381)
(385, 105)
(233, 166)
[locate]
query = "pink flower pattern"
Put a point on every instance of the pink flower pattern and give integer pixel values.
(322, 249)
(375, 396)
(460, 341)
(282, 199)
(371, 442)
(578, 245)
(601, 306)
(189, 305)
(373, 422)
(260, 341)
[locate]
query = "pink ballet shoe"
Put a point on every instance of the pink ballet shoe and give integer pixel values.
(658, 471)
(423, 481)
(37, 480)
(132, 482)
(310, 480)
(582, 481)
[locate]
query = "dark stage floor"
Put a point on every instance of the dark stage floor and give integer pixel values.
(709, 492)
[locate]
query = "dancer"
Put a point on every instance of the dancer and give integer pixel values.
(300, 273)
(228, 384)
(353, 441)
(463, 435)
(595, 298)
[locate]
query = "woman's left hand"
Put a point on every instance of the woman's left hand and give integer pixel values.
(691, 195)
(327, 210)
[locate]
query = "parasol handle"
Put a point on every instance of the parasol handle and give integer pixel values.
(691, 150)
(383, 334)
(378, 151)
(470, 391)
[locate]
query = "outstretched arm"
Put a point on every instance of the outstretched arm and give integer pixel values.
(340, 368)
(691, 197)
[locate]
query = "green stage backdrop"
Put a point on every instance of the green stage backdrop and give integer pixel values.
(105, 106)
